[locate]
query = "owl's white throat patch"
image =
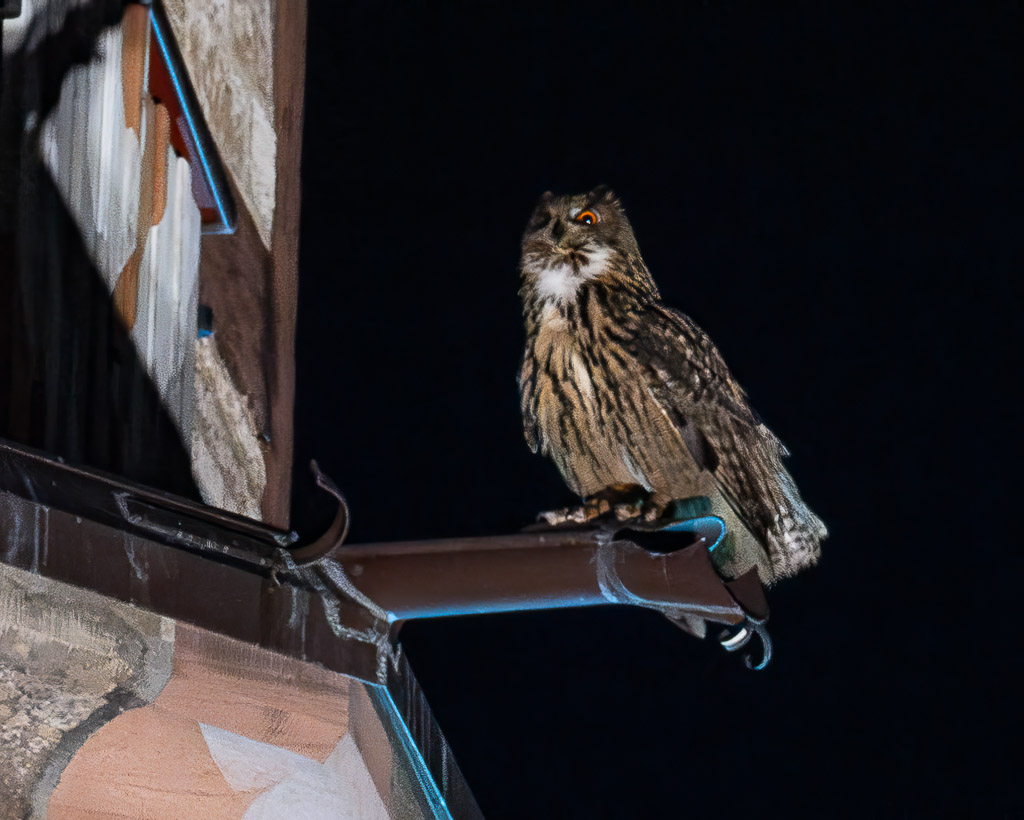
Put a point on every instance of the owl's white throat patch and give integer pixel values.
(559, 281)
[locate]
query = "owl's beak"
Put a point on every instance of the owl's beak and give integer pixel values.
(557, 230)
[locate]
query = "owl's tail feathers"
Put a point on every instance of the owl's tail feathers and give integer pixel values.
(795, 535)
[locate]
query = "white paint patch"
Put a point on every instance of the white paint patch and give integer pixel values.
(559, 282)
(94, 160)
(293, 785)
(165, 326)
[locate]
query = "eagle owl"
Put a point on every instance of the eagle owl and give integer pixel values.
(619, 389)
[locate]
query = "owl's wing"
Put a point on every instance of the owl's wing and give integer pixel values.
(685, 366)
(687, 375)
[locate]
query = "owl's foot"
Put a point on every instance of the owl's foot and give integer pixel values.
(735, 639)
(617, 503)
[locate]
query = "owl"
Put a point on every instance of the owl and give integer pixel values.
(620, 390)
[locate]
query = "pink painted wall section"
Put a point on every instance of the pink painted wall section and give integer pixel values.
(237, 731)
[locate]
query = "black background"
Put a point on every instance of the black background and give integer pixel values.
(834, 192)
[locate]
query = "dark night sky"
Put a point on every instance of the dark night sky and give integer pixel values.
(834, 191)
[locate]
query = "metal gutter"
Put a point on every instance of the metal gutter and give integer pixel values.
(96, 521)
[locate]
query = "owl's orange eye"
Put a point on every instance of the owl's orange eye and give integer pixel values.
(587, 218)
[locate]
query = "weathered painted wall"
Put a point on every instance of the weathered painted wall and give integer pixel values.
(128, 222)
(107, 710)
(227, 459)
(106, 147)
(228, 48)
(246, 60)
(238, 731)
(110, 711)
(97, 353)
(70, 660)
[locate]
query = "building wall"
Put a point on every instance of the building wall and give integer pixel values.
(98, 227)
(107, 710)
(99, 358)
(235, 38)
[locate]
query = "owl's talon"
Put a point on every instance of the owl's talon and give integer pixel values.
(567, 515)
(651, 512)
(626, 512)
(731, 642)
(623, 502)
(734, 641)
(552, 517)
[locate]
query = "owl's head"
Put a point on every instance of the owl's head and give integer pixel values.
(574, 239)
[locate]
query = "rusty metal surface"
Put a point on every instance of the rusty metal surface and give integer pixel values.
(362, 590)
(113, 501)
(336, 533)
(424, 579)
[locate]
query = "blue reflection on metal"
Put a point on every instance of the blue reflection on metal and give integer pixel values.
(398, 728)
(709, 527)
(188, 118)
(513, 605)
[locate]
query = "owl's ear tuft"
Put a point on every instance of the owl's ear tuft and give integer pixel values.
(602, 193)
